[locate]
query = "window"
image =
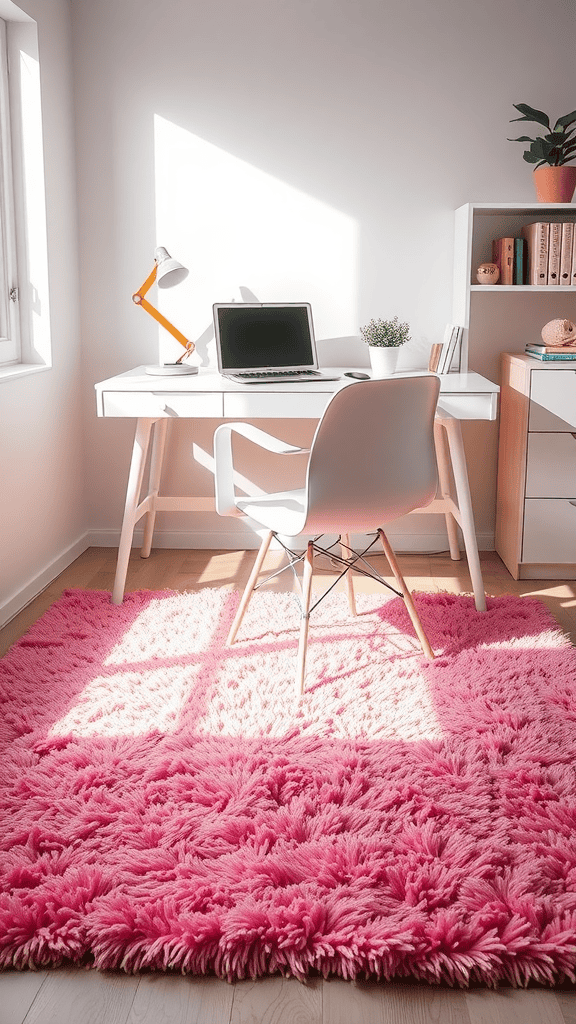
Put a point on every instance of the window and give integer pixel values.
(9, 306)
(25, 339)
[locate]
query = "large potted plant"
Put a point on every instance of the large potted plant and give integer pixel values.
(555, 181)
(384, 338)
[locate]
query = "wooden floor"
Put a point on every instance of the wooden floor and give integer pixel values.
(69, 996)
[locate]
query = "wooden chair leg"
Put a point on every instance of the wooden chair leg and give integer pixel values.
(249, 589)
(407, 595)
(345, 553)
(306, 592)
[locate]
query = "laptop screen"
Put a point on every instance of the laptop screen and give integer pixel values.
(264, 336)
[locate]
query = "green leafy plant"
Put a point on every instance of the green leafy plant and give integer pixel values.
(556, 148)
(385, 333)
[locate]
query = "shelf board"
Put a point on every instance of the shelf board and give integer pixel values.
(559, 288)
(529, 209)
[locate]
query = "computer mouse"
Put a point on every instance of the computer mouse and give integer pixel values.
(359, 376)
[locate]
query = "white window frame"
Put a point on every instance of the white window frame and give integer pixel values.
(10, 341)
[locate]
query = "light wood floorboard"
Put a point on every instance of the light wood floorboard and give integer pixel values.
(18, 990)
(69, 996)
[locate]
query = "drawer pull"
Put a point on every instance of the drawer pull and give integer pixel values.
(572, 432)
(169, 411)
(572, 503)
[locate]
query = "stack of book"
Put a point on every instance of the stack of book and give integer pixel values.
(545, 254)
(546, 353)
(444, 356)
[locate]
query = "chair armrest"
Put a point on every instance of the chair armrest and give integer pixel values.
(223, 465)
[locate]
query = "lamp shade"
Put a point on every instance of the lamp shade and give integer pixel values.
(169, 272)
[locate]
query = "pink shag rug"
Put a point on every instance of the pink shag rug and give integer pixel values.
(167, 804)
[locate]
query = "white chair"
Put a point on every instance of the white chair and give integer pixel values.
(372, 460)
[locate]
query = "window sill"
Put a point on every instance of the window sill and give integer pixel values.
(21, 370)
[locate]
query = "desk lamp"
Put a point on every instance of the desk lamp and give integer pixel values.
(166, 272)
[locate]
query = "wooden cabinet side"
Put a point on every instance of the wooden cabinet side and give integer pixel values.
(512, 446)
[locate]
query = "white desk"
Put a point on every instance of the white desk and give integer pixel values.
(152, 401)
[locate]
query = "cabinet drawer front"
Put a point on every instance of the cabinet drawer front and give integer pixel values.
(553, 400)
(549, 530)
(278, 405)
(161, 403)
(551, 469)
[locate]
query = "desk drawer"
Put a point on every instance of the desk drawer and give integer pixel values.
(553, 400)
(280, 405)
(157, 404)
(469, 406)
(551, 469)
(549, 530)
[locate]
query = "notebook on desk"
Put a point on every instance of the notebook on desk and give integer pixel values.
(266, 342)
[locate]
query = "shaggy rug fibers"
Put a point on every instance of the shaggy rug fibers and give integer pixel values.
(168, 804)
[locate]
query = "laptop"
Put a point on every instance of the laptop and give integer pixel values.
(266, 342)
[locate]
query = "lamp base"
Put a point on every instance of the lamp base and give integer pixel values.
(170, 370)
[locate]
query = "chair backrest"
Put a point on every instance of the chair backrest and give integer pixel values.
(373, 458)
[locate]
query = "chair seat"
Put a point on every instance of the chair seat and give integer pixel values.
(283, 512)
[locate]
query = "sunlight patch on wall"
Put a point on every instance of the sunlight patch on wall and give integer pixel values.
(246, 236)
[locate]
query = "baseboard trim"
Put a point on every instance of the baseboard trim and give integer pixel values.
(20, 598)
(413, 543)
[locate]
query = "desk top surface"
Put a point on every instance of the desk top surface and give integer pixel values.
(209, 380)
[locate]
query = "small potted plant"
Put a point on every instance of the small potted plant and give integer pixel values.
(384, 338)
(551, 153)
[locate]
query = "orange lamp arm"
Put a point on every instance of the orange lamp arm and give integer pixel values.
(139, 299)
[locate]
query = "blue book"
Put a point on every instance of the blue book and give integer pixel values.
(546, 357)
(519, 261)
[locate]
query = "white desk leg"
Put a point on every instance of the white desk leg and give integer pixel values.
(456, 445)
(158, 444)
(443, 461)
(139, 452)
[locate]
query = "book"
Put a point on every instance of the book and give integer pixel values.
(450, 348)
(434, 357)
(503, 256)
(535, 346)
(519, 261)
(573, 278)
(566, 252)
(536, 235)
(444, 347)
(551, 357)
(554, 248)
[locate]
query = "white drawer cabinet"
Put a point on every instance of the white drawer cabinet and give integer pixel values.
(536, 491)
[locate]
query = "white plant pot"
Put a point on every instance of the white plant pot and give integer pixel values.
(383, 361)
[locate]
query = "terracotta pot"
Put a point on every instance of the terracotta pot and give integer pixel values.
(555, 184)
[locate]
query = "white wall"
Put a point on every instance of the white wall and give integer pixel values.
(42, 513)
(367, 124)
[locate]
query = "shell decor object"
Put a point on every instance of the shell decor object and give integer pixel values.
(488, 273)
(558, 333)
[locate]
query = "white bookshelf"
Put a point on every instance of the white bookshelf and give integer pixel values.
(498, 318)
(501, 318)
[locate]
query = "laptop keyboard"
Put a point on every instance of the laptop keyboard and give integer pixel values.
(277, 373)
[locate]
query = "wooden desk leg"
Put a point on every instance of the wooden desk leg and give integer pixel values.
(139, 453)
(443, 461)
(458, 458)
(156, 457)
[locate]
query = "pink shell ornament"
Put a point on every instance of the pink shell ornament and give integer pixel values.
(558, 333)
